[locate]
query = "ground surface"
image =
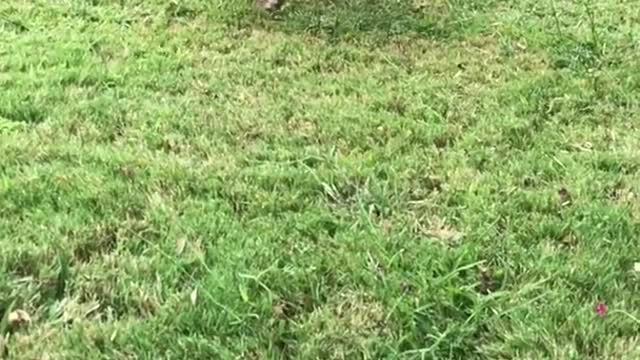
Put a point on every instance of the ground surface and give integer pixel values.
(360, 179)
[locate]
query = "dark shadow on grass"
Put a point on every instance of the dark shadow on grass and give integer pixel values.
(23, 112)
(345, 19)
(355, 19)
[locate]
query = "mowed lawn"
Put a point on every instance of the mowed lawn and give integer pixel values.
(356, 179)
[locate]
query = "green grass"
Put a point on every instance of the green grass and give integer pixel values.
(344, 180)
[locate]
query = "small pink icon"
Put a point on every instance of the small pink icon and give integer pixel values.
(601, 309)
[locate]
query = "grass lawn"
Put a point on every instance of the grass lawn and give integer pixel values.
(356, 179)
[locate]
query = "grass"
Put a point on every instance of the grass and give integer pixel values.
(343, 180)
